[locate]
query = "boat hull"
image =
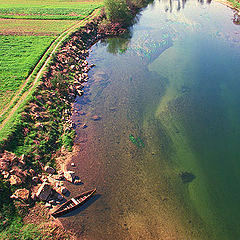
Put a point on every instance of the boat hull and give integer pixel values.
(59, 213)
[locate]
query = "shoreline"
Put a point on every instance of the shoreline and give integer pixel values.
(228, 4)
(52, 103)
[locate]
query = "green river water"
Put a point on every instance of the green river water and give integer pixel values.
(169, 102)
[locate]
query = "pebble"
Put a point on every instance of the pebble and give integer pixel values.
(52, 201)
(77, 181)
(73, 164)
(95, 117)
(82, 113)
(84, 125)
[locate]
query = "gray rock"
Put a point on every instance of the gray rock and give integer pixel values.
(63, 190)
(44, 191)
(60, 197)
(22, 193)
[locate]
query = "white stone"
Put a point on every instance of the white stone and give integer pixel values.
(69, 176)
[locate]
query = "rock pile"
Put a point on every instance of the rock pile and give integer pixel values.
(13, 168)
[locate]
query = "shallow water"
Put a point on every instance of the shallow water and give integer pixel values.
(175, 85)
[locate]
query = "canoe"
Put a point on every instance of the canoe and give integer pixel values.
(73, 203)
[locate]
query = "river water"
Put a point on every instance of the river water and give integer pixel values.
(165, 153)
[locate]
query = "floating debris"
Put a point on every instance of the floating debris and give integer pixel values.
(187, 177)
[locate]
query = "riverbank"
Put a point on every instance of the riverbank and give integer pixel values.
(45, 125)
(234, 4)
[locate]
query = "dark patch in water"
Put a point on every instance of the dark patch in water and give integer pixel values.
(187, 177)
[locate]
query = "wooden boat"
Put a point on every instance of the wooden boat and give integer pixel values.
(73, 203)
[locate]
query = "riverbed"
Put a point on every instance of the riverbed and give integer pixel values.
(164, 150)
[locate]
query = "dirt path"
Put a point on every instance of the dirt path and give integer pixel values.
(56, 43)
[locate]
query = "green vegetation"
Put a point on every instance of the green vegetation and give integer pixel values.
(51, 9)
(122, 11)
(19, 55)
(235, 3)
(118, 11)
(18, 231)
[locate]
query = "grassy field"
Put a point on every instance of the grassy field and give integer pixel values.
(23, 41)
(19, 54)
(51, 9)
(33, 27)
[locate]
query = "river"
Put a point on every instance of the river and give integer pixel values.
(164, 154)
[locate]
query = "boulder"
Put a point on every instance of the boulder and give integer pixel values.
(44, 191)
(31, 172)
(73, 164)
(69, 176)
(58, 177)
(63, 190)
(49, 169)
(4, 164)
(15, 180)
(22, 193)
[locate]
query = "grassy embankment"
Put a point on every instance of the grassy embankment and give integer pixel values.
(235, 3)
(20, 54)
(23, 43)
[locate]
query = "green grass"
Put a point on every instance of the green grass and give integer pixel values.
(15, 121)
(70, 10)
(19, 55)
(235, 3)
(18, 231)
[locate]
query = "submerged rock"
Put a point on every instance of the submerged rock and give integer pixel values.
(95, 118)
(187, 177)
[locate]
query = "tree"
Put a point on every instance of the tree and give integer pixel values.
(118, 11)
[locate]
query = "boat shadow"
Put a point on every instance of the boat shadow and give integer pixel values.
(83, 207)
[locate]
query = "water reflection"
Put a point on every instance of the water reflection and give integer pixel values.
(120, 45)
(117, 45)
